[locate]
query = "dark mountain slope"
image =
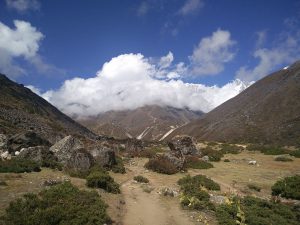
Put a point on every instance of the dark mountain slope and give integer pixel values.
(21, 109)
(268, 112)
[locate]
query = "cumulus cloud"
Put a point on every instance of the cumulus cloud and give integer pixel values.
(212, 53)
(190, 7)
(129, 81)
(285, 51)
(23, 41)
(23, 5)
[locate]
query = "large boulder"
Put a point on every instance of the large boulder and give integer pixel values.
(182, 146)
(64, 148)
(178, 162)
(134, 145)
(103, 156)
(25, 140)
(80, 161)
(38, 154)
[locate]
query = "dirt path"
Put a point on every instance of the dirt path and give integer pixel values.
(144, 208)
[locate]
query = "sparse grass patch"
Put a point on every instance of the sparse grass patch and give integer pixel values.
(288, 187)
(255, 211)
(283, 159)
(254, 187)
(232, 149)
(19, 166)
(141, 179)
(161, 165)
(61, 204)
(148, 153)
(196, 163)
(267, 149)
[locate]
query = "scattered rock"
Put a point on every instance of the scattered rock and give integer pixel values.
(218, 199)
(252, 162)
(5, 156)
(3, 142)
(38, 154)
(168, 192)
(205, 158)
(51, 182)
(80, 160)
(183, 145)
(64, 148)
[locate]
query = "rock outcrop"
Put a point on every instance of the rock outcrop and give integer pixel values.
(80, 160)
(103, 156)
(182, 146)
(64, 148)
(38, 154)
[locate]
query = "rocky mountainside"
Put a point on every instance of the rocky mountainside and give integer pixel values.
(267, 112)
(22, 110)
(147, 123)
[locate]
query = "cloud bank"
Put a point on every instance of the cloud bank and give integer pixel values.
(130, 81)
(23, 5)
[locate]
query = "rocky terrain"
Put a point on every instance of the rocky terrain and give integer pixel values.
(147, 123)
(23, 110)
(266, 112)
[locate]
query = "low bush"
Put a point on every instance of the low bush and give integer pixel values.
(287, 187)
(19, 166)
(196, 163)
(60, 204)
(255, 211)
(52, 164)
(198, 181)
(230, 149)
(3, 183)
(141, 179)
(295, 153)
(148, 153)
(283, 159)
(101, 179)
(267, 149)
(193, 197)
(226, 160)
(254, 187)
(161, 165)
(213, 155)
(119, 167)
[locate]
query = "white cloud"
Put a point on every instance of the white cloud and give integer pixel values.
(166, 61)
(129, 81)
(190, 7)
(23, 41)
(284, 51)
(212, 53)
(23, 5)
(143, 8)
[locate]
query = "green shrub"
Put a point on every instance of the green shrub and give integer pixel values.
(213, 155)
(141, 179)
(267, 149)
(148, 153)
(230, 149)
(256, 212)
(61, 204)
(101, 179)
(288, 187)
(254, 187)
(295, 153)
(283, 159)
(3, 183)
(226, 160)
(198, 181)
(19, 166)
(119, 167)
(161, 165)
(52, 164)
(196, 163)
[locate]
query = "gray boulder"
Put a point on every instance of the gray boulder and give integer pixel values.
(134, 145)
(64, 148)
(80, 160)
(182, 146)
(104, 156)
(3, 142)
(178, 162)
(25, 140)
(38, 154)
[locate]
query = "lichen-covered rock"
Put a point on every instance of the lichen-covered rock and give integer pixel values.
(25, 140)
(80, 160)
(178, 162)
(183, 145)
(104, 156)
(134, 145)
(38, 154)
(64, 148)
(3, 142)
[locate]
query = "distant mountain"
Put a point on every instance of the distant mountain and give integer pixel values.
(23, 110)
(268, 112)
(148, 122)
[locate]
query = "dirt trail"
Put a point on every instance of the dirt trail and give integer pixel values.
(143, 208)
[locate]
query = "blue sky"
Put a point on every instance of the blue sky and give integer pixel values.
(75, 38)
